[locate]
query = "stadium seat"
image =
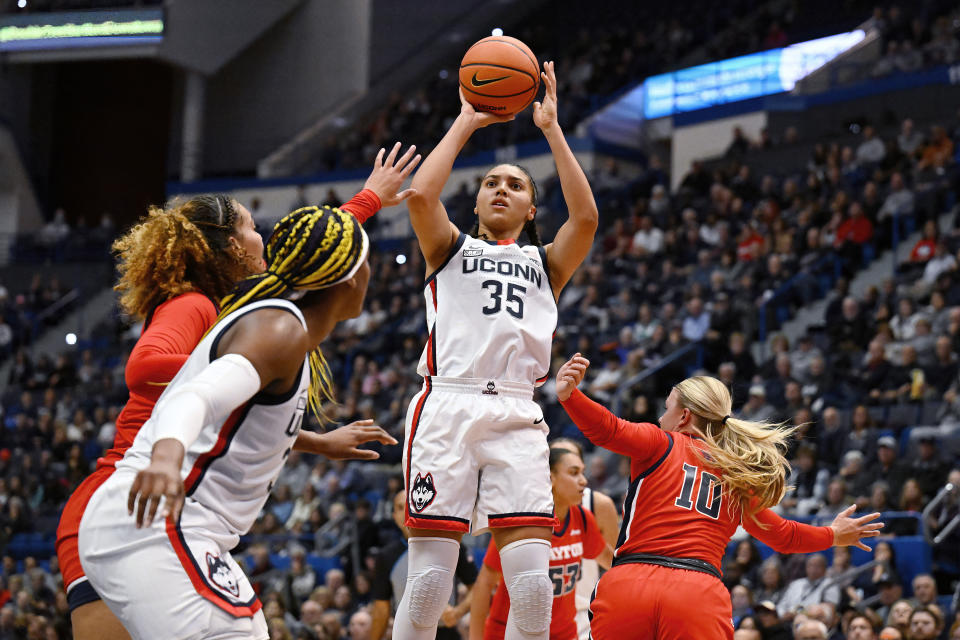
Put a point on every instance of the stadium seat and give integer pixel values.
(322, 564)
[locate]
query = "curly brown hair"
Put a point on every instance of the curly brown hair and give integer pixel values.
(183, 247)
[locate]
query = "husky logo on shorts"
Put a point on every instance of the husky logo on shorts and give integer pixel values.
(422, 492)
(221, 575)
(491, 389)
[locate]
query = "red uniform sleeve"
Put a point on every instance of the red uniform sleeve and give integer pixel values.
(363, 205)
(788, 536)
(593, 542)
(174, 331)
(644, 443)
(492, 558)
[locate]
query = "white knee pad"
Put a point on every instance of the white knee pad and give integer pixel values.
(525, 572)
(430, 566)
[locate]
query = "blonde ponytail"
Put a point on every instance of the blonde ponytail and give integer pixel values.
(750, 455)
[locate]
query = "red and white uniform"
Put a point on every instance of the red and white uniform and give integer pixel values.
(169, 335)
(589, 575)
(193, 587)
(674, 508)
(575, 541)
(476, 451)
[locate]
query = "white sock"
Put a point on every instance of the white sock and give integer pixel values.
(430, 566)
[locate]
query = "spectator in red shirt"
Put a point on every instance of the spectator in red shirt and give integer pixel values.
(854, 232)
(749, 244)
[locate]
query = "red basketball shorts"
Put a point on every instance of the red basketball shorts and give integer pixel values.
(650, 602)
(67, 554)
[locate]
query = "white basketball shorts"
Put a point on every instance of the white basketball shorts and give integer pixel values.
(476, 456)
(170, 580)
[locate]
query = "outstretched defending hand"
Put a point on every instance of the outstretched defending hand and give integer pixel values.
(342, 443)
(545, 113)
(848, 531)
(570, 375)
(388, 176)
(480, 119)
(161, 479)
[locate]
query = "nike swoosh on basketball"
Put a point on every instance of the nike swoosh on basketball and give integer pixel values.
(538, 421)
(477, 82)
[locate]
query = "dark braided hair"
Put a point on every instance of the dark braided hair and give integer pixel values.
(312, 248)
(530, 226)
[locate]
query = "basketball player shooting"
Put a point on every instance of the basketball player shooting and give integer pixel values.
(476, 454)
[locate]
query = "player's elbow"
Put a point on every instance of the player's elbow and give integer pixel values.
(588, 219)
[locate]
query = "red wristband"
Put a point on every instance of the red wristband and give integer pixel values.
(363, 205)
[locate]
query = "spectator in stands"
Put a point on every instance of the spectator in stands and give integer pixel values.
(739, 145)
(769, 624)
(941, 262)
(811, 589)
(860, 627)
(55, 231)
(853, 233)
(756, 407)
(871, 151)
(808, 481)
(923, 250)
(876, 374)
(697, 321)
(927, 467)
(938, 152)
(924, 590)
(744, 567)
(908, 140)
(889, 591)
(360, 626)
(888, 469)
(849, 333)
(648, 239)
(926, 623)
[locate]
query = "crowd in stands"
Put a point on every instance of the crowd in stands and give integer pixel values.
(639, 40)
(916, 39)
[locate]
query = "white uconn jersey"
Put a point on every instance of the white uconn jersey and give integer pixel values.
(231, 467)
(491, 314)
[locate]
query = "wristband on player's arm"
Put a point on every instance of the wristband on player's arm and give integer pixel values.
(363, 205)
(222, 386)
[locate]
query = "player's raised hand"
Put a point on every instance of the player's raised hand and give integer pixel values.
(570, 375)
(160, 480)
(388, 175)
(480, 119)
(848, 531)
(545, 113)
(343, 443)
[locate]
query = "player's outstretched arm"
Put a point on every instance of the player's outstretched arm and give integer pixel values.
(428, 216)
(788, 536)
(382, 188)
(574, 239)
(643, 443)
(343, 443)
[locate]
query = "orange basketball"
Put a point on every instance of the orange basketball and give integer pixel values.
(499, 74)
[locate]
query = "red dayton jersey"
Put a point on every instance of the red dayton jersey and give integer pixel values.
(674, 506)
(169, 335)
(579, 537)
